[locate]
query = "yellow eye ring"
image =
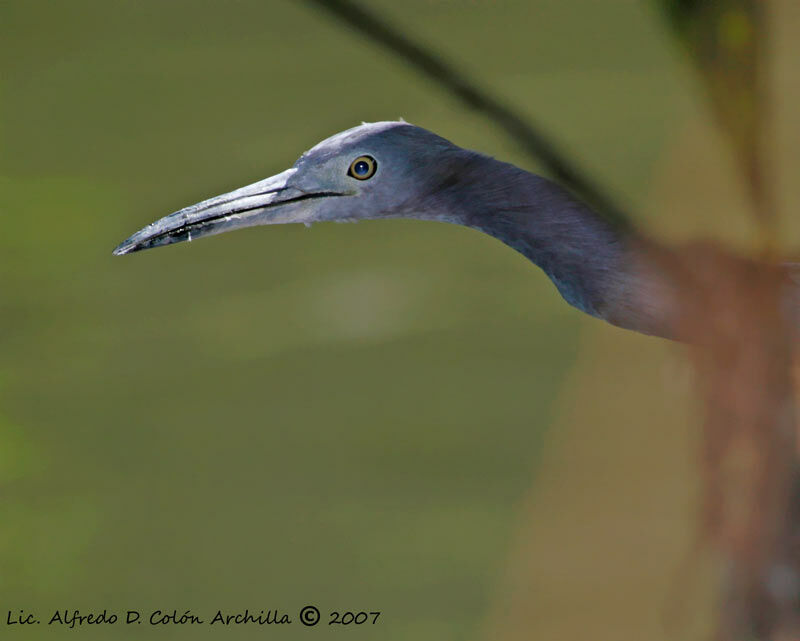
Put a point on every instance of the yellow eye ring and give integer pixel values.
(362, 168)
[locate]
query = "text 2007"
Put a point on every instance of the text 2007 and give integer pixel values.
(355, 618)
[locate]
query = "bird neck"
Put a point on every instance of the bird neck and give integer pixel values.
(592, 263)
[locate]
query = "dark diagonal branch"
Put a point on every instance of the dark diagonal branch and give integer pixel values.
(533, 141)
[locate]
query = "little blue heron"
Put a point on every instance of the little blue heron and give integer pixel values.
(397, 170)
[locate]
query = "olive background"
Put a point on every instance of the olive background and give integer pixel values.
(395, 415)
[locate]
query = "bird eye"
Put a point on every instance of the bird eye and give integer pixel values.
(362, 168)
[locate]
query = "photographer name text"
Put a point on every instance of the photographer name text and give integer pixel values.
(309, 616)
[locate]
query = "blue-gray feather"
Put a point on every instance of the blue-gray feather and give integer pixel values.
(598, 268)
(592, 264)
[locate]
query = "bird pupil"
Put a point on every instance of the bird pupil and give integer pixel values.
(361, 167)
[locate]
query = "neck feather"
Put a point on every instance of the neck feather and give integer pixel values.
(592, 263)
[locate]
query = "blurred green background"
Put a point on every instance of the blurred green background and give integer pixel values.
(351, 416)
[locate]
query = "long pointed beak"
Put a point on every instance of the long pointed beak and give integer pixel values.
(269, 201)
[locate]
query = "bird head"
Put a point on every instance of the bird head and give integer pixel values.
(375, 170)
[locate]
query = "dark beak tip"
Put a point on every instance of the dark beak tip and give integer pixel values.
(125, 247)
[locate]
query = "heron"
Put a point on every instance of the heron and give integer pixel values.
(394, 169)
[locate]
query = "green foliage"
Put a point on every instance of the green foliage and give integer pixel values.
(726, 41)
(348, 415)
